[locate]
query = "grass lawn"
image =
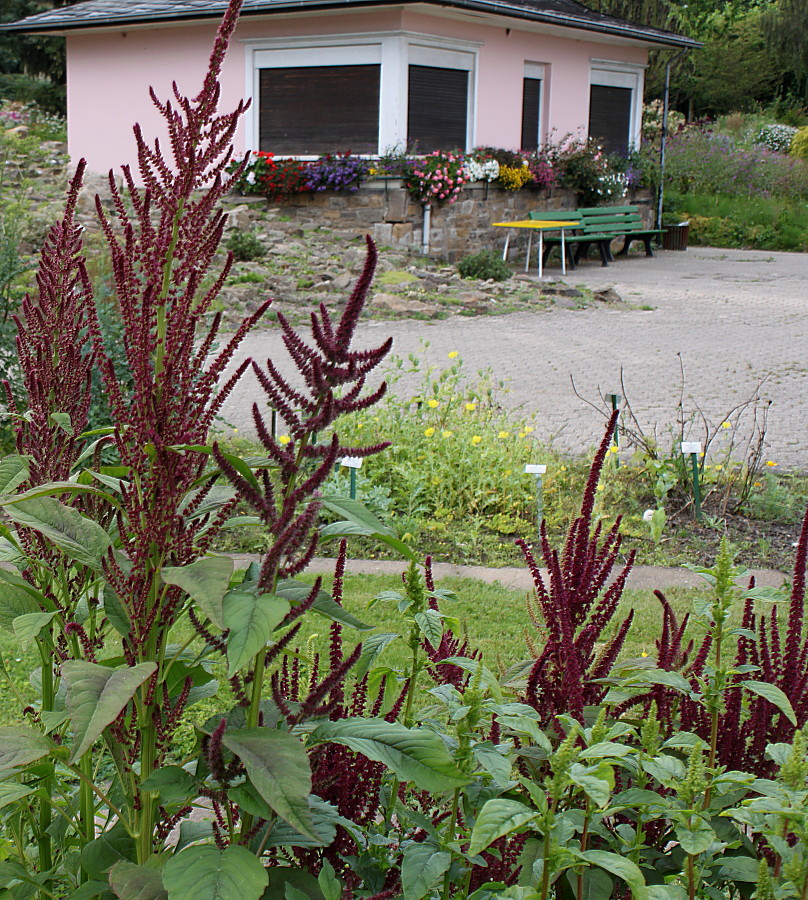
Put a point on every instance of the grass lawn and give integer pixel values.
(493, 618)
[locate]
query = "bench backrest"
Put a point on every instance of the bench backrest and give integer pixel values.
(596, 219)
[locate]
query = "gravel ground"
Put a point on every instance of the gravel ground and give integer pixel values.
(734, 321)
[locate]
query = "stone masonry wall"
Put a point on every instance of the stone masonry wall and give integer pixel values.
(387, 212)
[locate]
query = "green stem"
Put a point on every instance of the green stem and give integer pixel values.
(45, 817)
(87, 805)
(584, 842)
(691, 877)
(447, 881)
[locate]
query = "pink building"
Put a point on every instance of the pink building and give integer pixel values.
(363, 76)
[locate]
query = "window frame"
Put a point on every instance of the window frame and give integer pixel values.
(613, 73)
(394, 51)
(536, 72)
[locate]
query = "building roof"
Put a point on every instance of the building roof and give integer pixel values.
(111, 13)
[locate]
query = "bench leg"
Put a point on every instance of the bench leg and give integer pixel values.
(649, 250)
(605, 253)
(623, 251)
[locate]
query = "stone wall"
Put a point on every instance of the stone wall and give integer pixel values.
(385, 210)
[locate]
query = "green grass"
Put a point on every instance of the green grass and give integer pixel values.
(761, 223)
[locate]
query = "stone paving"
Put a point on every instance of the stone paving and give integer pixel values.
(735, 319)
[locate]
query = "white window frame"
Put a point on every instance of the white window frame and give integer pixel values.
(394, 51)
(612, 73)
(538, 71)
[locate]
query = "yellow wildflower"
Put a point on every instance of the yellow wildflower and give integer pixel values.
(508, 472)
(528, 429)
(503, 434)
(614, 449)
(770, 463)
(476, 439)
(429, 432)
(726, 424)
(601, 487)
(454, 354)
(284, 439)
(433, 404)
(446, 433)
(643, 653)
(470, 407)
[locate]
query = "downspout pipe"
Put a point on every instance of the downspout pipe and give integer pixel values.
(664, 141)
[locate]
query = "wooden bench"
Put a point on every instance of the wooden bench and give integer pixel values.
(600, 225)
(580, 239)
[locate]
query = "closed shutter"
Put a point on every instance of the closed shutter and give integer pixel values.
(610, 117)
(437, 108)
(311, 110)
(531, 103)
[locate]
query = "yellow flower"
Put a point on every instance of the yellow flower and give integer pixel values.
(528, 429)
(521, 434)
(284, 439)
(360, 425)
(770, 463)
(436, 479)
(508, 472)
(470, 407)
(601, 487)
(454, 354)
(446, 433)
(476, 439)
(643, 653)
(429, 432)
(503, 434)
(614, 449)
(718, 467)
(758, 484)
(726, 424)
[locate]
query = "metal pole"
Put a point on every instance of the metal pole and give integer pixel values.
(615, 399)
(693, 449)
(663, 142)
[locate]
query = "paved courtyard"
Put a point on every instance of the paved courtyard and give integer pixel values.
(736, 319)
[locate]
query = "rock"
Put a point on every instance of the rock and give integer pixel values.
(608, 296)
(569, 292)
(18, 131)
(240, 218)
(342, 282)
(404, 305)
(473, 297)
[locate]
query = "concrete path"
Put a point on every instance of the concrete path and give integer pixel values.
(734, 319)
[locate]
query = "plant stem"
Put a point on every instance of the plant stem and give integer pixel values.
(86, 804)
(45, 818)
(447, 881)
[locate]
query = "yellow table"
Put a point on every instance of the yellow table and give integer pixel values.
(540, 226)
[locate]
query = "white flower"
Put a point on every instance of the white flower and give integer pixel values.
(648, 515)
(250, 179)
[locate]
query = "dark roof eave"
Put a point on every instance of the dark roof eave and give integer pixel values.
(497, 7)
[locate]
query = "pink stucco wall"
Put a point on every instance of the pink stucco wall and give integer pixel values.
(109, 74)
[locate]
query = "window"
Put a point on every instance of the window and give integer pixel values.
(531, 106)
(615, 98)
(437, 108)
(309, 110)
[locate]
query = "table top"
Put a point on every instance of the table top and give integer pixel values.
(536, 223)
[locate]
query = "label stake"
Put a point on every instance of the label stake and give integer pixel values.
(538, 471)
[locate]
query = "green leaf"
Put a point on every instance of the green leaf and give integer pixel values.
(696, 837)
(324, 604)
(20, 745)
(111, 846)
(206, 581)
(133, 882)
(116, 611)
(372, 648)
(251, 619)
(11, 792)
(89, 890)
(204, 872)
(739, 868)
(283, 879)
(13, 471)
(775, 696)
(619, 866)
(597, 884)
(495, 763)
(278, 767)
(330, 885)
(173, 784)
(17, 598)
(28, 626)
(96, 695)
(430, 624)
(596, 783)
(497, 818)
(77, 536)
(422, 867)
(356, 513)
(413, 754)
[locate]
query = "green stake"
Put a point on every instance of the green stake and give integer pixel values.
(353, 463)
(615, 399)
(538, 471)
(693, 449)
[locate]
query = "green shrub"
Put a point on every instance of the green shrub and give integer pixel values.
(245, 246)
(484, 265)
(799, 144)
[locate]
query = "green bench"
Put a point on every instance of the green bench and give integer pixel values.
(599, 226)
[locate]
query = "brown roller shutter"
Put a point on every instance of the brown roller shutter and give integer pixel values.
(531, 102)
(311, 110)
(610, 117)
(437, 108)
